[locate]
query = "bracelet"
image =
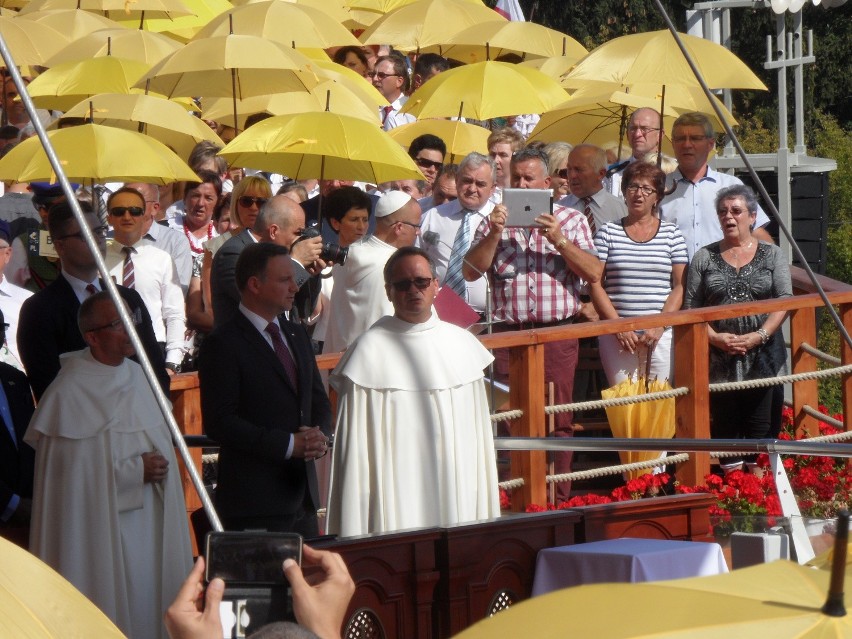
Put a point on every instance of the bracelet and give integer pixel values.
(764, 336)
(562, 243)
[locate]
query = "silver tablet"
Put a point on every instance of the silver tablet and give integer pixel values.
(524, 205)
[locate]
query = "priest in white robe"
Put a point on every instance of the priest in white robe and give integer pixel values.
(414, 445)
(108, 507)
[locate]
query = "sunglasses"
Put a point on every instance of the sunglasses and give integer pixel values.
(422, 283)
(247, 202)
(381, 76)
(428, 164)
(563, 173)
(119, 211)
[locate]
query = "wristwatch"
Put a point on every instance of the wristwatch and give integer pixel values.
(173, 367)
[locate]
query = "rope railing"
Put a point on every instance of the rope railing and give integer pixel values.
(821, 355)
(616, 401)
(781, 379)
(507, 415)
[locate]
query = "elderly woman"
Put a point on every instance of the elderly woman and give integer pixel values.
(740, 268)
(644, 262)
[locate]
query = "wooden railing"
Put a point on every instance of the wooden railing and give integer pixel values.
(691, 348)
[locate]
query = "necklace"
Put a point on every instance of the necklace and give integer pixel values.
(197, 248)
(735, 252)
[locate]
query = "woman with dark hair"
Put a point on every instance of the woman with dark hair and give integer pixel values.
(352, 58)
(741, 268)
(644, 262)
(347, 210)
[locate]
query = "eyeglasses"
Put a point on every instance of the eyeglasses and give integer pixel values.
(680, 139)
(563, 173)
(423, 163)
(734, 210)
(119, 211)
(414, 226)
(247, 202)
(644, 130)
(645, 190)
(421, 283)
(115, 325)
(381, 76)
(98, 232)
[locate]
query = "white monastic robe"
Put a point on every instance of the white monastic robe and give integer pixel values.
(358, 298)
(414, 444)
(123, 543)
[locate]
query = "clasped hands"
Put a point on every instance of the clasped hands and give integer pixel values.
(310, 443)
(735, 344)
(630, 340)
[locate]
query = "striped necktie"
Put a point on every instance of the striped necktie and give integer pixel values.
(128, 277)
(587, 211)
(461, 244)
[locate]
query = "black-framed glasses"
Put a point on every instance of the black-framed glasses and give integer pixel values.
(119, 211)
(422, 283)
(382, 76)
(563, 173)
(247, 201)
(423, 163)
(644, 130)
(416, 227)
(680, 139)
(645, 190)
(99, 232)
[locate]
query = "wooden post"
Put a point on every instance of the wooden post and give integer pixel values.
(526, 392)
(693, 410)
(806, 392)
(845, 359)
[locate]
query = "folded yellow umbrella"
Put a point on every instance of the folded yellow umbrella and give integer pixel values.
(36, 602)
(324, 146)
(96, 153)
(30, 42)
(64, 85)
(130, 44)
(485, 90)
(520, 38)
(461, 138)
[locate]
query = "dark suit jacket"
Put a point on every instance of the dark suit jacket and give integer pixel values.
(250, 408)
(47, 327)
(16, 462)
(224, 295)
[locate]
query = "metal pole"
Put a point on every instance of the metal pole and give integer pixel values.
(162, 401)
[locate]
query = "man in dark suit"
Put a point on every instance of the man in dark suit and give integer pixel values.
(263, 401)
(48, 321)
(280, 221)
(16, 458)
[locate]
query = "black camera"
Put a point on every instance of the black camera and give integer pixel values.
(331, 252)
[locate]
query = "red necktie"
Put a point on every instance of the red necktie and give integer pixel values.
(588, 213)
(128, 276)
(90, 289)
(386, 110)
(283, 353)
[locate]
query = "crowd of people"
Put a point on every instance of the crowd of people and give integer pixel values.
(246, 276)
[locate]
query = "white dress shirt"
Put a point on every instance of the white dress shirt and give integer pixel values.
(11, 299)
(394, 118)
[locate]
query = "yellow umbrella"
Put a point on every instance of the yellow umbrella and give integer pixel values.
(72, 23)
(37, 602)
(30, 43)
(180, 28)
(427, 23)
(336, 96)
(654, 57)
(333, 8)
(490, 40)
(322, 145)
(554, 67)
(351, 80)
(114, 8)
(66, 84)
(130, 44)
(777, 600)
(162, 119)
(236, 66)
(291, 24)
(461, 138)
(485, 90)
(96, 153)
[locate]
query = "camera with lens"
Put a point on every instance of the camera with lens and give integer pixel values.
(331, 252)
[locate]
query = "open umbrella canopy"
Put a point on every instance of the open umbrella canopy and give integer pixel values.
(330, 93)
(526, 39)
(334, 8)
(130, 44)
(236, 66)
(36, 602)
(654, 57)
(181, 28)
(157, 117)
(118, 8)
(291, 24)
(427, 23)
(485, 90)
(64, 85)
(777, 600)
(324, 146)
(96, 153)
(461, 138)
(72, 23)
(29, 42)
(350, 79)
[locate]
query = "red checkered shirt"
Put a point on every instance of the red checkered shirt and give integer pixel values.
(530, 281)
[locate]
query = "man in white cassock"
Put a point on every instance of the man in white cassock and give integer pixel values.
(413, 446)
(108, 509)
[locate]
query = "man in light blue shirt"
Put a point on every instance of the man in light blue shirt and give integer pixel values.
(691, 203)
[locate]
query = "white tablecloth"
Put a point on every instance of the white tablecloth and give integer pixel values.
(625, 560)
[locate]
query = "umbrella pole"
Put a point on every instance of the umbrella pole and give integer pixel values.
(660, 140)
(621, 128)
(834, 606)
